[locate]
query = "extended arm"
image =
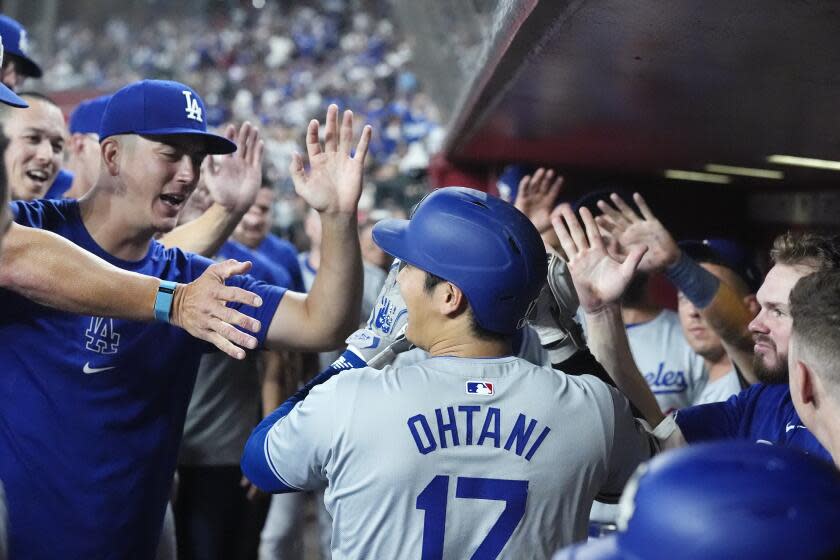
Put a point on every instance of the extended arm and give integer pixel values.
(52, 271)
(600, 280)
(726, 313)
(321, 319)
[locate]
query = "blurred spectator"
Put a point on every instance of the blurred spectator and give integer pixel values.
(277, 66)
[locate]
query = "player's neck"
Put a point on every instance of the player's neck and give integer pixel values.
(469, 347)
(107, 224)
(718, 368)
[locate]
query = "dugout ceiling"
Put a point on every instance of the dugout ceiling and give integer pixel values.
(642, 86)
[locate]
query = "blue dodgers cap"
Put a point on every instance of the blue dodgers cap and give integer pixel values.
(16, 42)
(728, 253)
(730, 499)
(160, 107)
(86, 118)
(7, 96)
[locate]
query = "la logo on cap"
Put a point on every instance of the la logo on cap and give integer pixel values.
(193, 108)
(23, 42)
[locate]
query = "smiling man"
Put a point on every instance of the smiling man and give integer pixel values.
(36, 146)
(89, 447)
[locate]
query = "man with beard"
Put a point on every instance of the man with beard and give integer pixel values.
(764, 412)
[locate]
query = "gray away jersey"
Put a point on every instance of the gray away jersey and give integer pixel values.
(458, 458)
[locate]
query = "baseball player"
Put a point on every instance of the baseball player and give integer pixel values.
(472, 452)
(813, 356)
(732, 264)
(725, 500)
(763, 412)
(89, 448)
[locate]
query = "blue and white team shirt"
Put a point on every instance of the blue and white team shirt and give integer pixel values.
(92, 408)
(761, 413)
(675, 373)
(455, 457)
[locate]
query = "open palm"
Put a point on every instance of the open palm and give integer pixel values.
(234, 179)
(599, 278)
(334, 181)
(536, 195)
(634, 231)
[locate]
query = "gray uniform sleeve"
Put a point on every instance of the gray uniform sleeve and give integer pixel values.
(299, 446)
(631, 445)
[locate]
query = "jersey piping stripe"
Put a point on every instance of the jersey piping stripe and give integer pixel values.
(273, 468)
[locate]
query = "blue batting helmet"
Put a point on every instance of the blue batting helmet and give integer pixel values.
(480, 243)
(725, 500)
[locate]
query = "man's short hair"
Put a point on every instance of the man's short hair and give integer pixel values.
(815, 309)
(821, 252)
(6, 110)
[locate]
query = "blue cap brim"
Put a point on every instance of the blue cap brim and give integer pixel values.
(9, 97)
(214, 143)
(392, 237)
(29, 67)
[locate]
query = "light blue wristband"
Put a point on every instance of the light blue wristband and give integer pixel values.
(163, 300)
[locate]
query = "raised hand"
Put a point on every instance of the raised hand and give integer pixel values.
(599, 278)
(633, 231)
(200, 309)
(334, 181)
(234, 179)
(536, 197)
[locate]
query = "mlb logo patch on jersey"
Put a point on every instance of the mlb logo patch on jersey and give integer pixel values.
(480, 388)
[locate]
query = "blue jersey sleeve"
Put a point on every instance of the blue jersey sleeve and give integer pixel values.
(720, 420)
(43, 214)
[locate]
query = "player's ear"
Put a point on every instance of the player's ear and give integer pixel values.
(450, 298)
(111, 155)
(76, 145)
(752, 304)
(802, 382)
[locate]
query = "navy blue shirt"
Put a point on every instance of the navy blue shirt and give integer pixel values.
(283, 253)
(92, 408)
(760, 413)
(61, 184)
(261, 266)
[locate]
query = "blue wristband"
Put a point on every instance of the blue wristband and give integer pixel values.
(698, 284)
(163, 300)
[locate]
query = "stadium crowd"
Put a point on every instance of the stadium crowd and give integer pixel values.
(515, 347)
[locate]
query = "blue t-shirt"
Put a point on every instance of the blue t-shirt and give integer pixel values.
(760, 413)
(261, 267)
(92, 408)
(282, 252)
(61, 184)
